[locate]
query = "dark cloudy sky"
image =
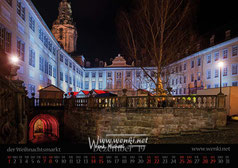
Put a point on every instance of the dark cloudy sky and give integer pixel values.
(97, 32)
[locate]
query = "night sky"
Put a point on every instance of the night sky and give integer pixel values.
(97, 31)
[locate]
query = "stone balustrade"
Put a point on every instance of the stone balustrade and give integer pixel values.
(135, 102)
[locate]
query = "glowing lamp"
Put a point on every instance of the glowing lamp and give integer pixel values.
(14, 59)
(220, 64)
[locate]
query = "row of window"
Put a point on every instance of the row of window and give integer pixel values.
(118, 74)
(100, 74)
(216, 72)
(224, 54)
(70, 64)
(70, 80)
(180, 68)
(47, 43)
(100, 85)
(46, 67)
(209, 59)
(234, 83)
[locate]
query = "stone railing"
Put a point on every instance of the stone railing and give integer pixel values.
(48, 102)
(134, 102)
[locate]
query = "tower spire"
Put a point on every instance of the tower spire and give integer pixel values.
(64, 28)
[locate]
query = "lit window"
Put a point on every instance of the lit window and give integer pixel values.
(192, 64)
(100, 85)
(192, 77)
(185, 66)
(118, 84)
(225, 53)
(199, 76)
(86, 85)
(66, 61)
(118, 75)
(109, 84)
(20, 9)
(234, 50)
(32, 57)
(21, 49)
(109, 74)
(199, 61)
(54, 72)
(128, 74)
(50, 69)
(31, 89)
(61, 76)
(216, 56)
(93, 74)
(209, 74)
(66, 78)
(93, 85)
(209, 58)
(70, 80)
(225, 84)
(235, 83)
(180, 91)
(5, 39)
(225, 71)
(61, 58)
(46, 67)
(216, 73)
(86, 74)
(32, 23)
(41, 62)
(234, 69)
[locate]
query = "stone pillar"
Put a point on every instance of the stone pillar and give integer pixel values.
(123, 100)
(221, 101)
(91, 100)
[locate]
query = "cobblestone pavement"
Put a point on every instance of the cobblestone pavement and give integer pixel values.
(224, 136)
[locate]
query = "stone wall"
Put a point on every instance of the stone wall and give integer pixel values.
(79, 125)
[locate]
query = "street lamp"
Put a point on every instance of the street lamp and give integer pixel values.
(14, 59)
(220, 64)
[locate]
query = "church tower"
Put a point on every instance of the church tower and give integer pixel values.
(64, 28)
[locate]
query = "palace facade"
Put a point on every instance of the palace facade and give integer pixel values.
(45, 57)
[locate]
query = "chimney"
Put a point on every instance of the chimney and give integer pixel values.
(228, 34)
(88, 64)
(212, 40)
(100, 63)
(198, 47)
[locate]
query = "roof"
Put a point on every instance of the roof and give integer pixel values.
(51, 88)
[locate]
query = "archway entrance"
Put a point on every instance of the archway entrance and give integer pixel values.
(43, 128)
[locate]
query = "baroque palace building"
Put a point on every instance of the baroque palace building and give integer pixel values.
(46, 57)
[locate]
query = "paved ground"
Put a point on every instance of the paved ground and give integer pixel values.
(227, 136)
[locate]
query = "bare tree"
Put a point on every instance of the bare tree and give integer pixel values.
(154, 32)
